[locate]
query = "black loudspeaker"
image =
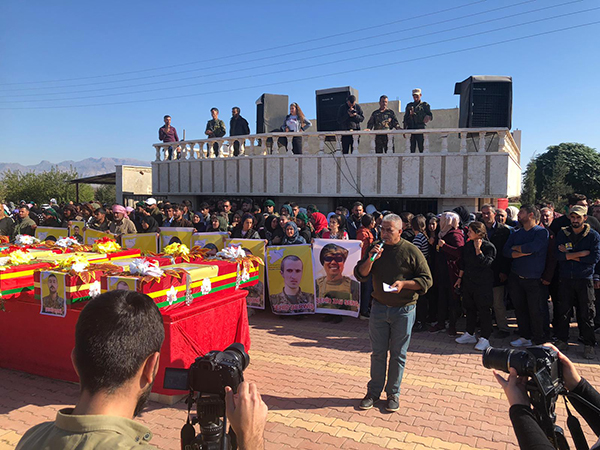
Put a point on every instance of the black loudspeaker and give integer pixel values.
(328, 104)
(485, 102)
(271, 110)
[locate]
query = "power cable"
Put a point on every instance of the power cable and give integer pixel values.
(329, 62)
(313, 77)
(278, 63)
(345, 33)
(378, 36)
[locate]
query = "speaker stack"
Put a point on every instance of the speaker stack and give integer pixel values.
(328, 104)
(271, 110)
(485, 102)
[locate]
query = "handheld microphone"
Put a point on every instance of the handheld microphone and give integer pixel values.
(380, 245)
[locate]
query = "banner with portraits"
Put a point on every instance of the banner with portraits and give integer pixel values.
(146, 242)
(336, 289)
(90, 236)
(51, 233)
(256, 293)
(290, 275)
(214, 241)
(76, 230)
(171, 235)
(54, 295)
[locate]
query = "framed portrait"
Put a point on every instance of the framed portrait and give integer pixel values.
(51, 233)
(256, 294)
(121, 284)
(215, 242)
(181, 235)
(76, 230)
(54, 299)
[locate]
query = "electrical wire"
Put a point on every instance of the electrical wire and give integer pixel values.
(326, 63)
(314, 77)
(345, 33)
(278, 63)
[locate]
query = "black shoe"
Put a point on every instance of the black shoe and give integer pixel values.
(392, 404)
(418, 327)
(337, 319)
(501, 334)
(368, 401)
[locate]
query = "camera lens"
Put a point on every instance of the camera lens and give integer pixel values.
(502, 359)
(238, 352)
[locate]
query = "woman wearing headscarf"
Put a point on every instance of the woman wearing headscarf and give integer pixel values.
(217, 224)
(319, 222)
(245, 228)
(291, 235)
(271, 229)
(148, 224)
(286, 209)
(51, 218)
(303, 226)
(448, 248)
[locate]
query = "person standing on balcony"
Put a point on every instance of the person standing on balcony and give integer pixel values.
(215, 128)
(416, 117)
(382, 119)
(167, 134)
(349, 117)
(238, 126)
(294, 122)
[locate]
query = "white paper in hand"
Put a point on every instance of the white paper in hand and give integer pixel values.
(388, 288)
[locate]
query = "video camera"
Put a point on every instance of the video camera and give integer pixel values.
(206, 380)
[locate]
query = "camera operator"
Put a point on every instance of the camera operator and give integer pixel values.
(529, 433)
(118, 338)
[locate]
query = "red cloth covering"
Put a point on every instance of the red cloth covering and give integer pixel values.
(191, 332)
(17, 280)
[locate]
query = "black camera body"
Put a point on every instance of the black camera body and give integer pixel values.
(205, 381)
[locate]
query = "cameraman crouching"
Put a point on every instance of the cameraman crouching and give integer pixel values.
(118, 337)
(529, 433)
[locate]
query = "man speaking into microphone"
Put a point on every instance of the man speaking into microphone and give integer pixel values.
(400, 274)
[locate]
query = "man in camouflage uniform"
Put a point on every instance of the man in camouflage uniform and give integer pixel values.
(215, 128)
(382, 119)
(291, 299)
(53, 303)
(416, 116)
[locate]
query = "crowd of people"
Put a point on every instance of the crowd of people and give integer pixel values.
(533, 259)
(349, 117)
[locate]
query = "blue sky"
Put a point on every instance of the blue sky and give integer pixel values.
(232, 52)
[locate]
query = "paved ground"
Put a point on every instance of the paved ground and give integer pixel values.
(312, 376)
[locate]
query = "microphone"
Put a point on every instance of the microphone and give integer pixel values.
(380, 245)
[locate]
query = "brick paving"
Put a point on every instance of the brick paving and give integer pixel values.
(312, 376)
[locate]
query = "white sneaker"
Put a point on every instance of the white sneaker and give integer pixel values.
(466, 339)
(521, 342)
(482, 344)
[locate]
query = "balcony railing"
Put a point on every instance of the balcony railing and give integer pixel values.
(439, 141)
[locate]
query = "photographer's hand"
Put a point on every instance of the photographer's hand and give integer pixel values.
(247, 414)
(569, 373)
(514, 388)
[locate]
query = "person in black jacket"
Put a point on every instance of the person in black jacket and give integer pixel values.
(498, 234)
(476, 279)
(238, 126)
(349, 117)
(529, 433)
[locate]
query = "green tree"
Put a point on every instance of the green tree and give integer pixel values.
(561, 170)
(41, 187)
(106, 194)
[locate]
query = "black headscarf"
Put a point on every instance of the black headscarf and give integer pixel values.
(152, 224)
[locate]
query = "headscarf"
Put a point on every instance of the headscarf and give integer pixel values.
(222, 223)
(448, 221)
(269, 222)
(296, 238)
(320, 221)
(119, 209)
(463, 214)
(302, 217)
(288, 208)
(152, 224)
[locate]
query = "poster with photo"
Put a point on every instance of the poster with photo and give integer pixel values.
(76, 230)
(215, 242)
(90, 236)
(146, 242)
(256, 293)
(290, 277)
(51, 233)
(336, 289)
(121, 284)
(181, 235)
(54, 294)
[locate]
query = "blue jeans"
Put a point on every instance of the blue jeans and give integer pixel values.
(390, 328)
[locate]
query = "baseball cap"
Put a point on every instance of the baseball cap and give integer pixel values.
(151, 201)
(579, 210)
(269, 203)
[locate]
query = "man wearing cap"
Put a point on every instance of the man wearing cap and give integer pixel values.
(121, 224)
(154, 211)
(416, 116)
(269, 208)
(578, 254)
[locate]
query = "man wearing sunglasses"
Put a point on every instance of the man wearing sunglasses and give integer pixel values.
(334, 285)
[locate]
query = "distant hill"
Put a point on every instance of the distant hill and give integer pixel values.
(85, 168)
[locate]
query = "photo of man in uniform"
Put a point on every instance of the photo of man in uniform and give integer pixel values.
(77, 234)
(334, 285)
(122, 286)
(291, 300)
(53, 304)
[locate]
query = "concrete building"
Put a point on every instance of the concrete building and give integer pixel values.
(458, 167)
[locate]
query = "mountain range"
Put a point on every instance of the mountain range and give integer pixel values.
(85, 168)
